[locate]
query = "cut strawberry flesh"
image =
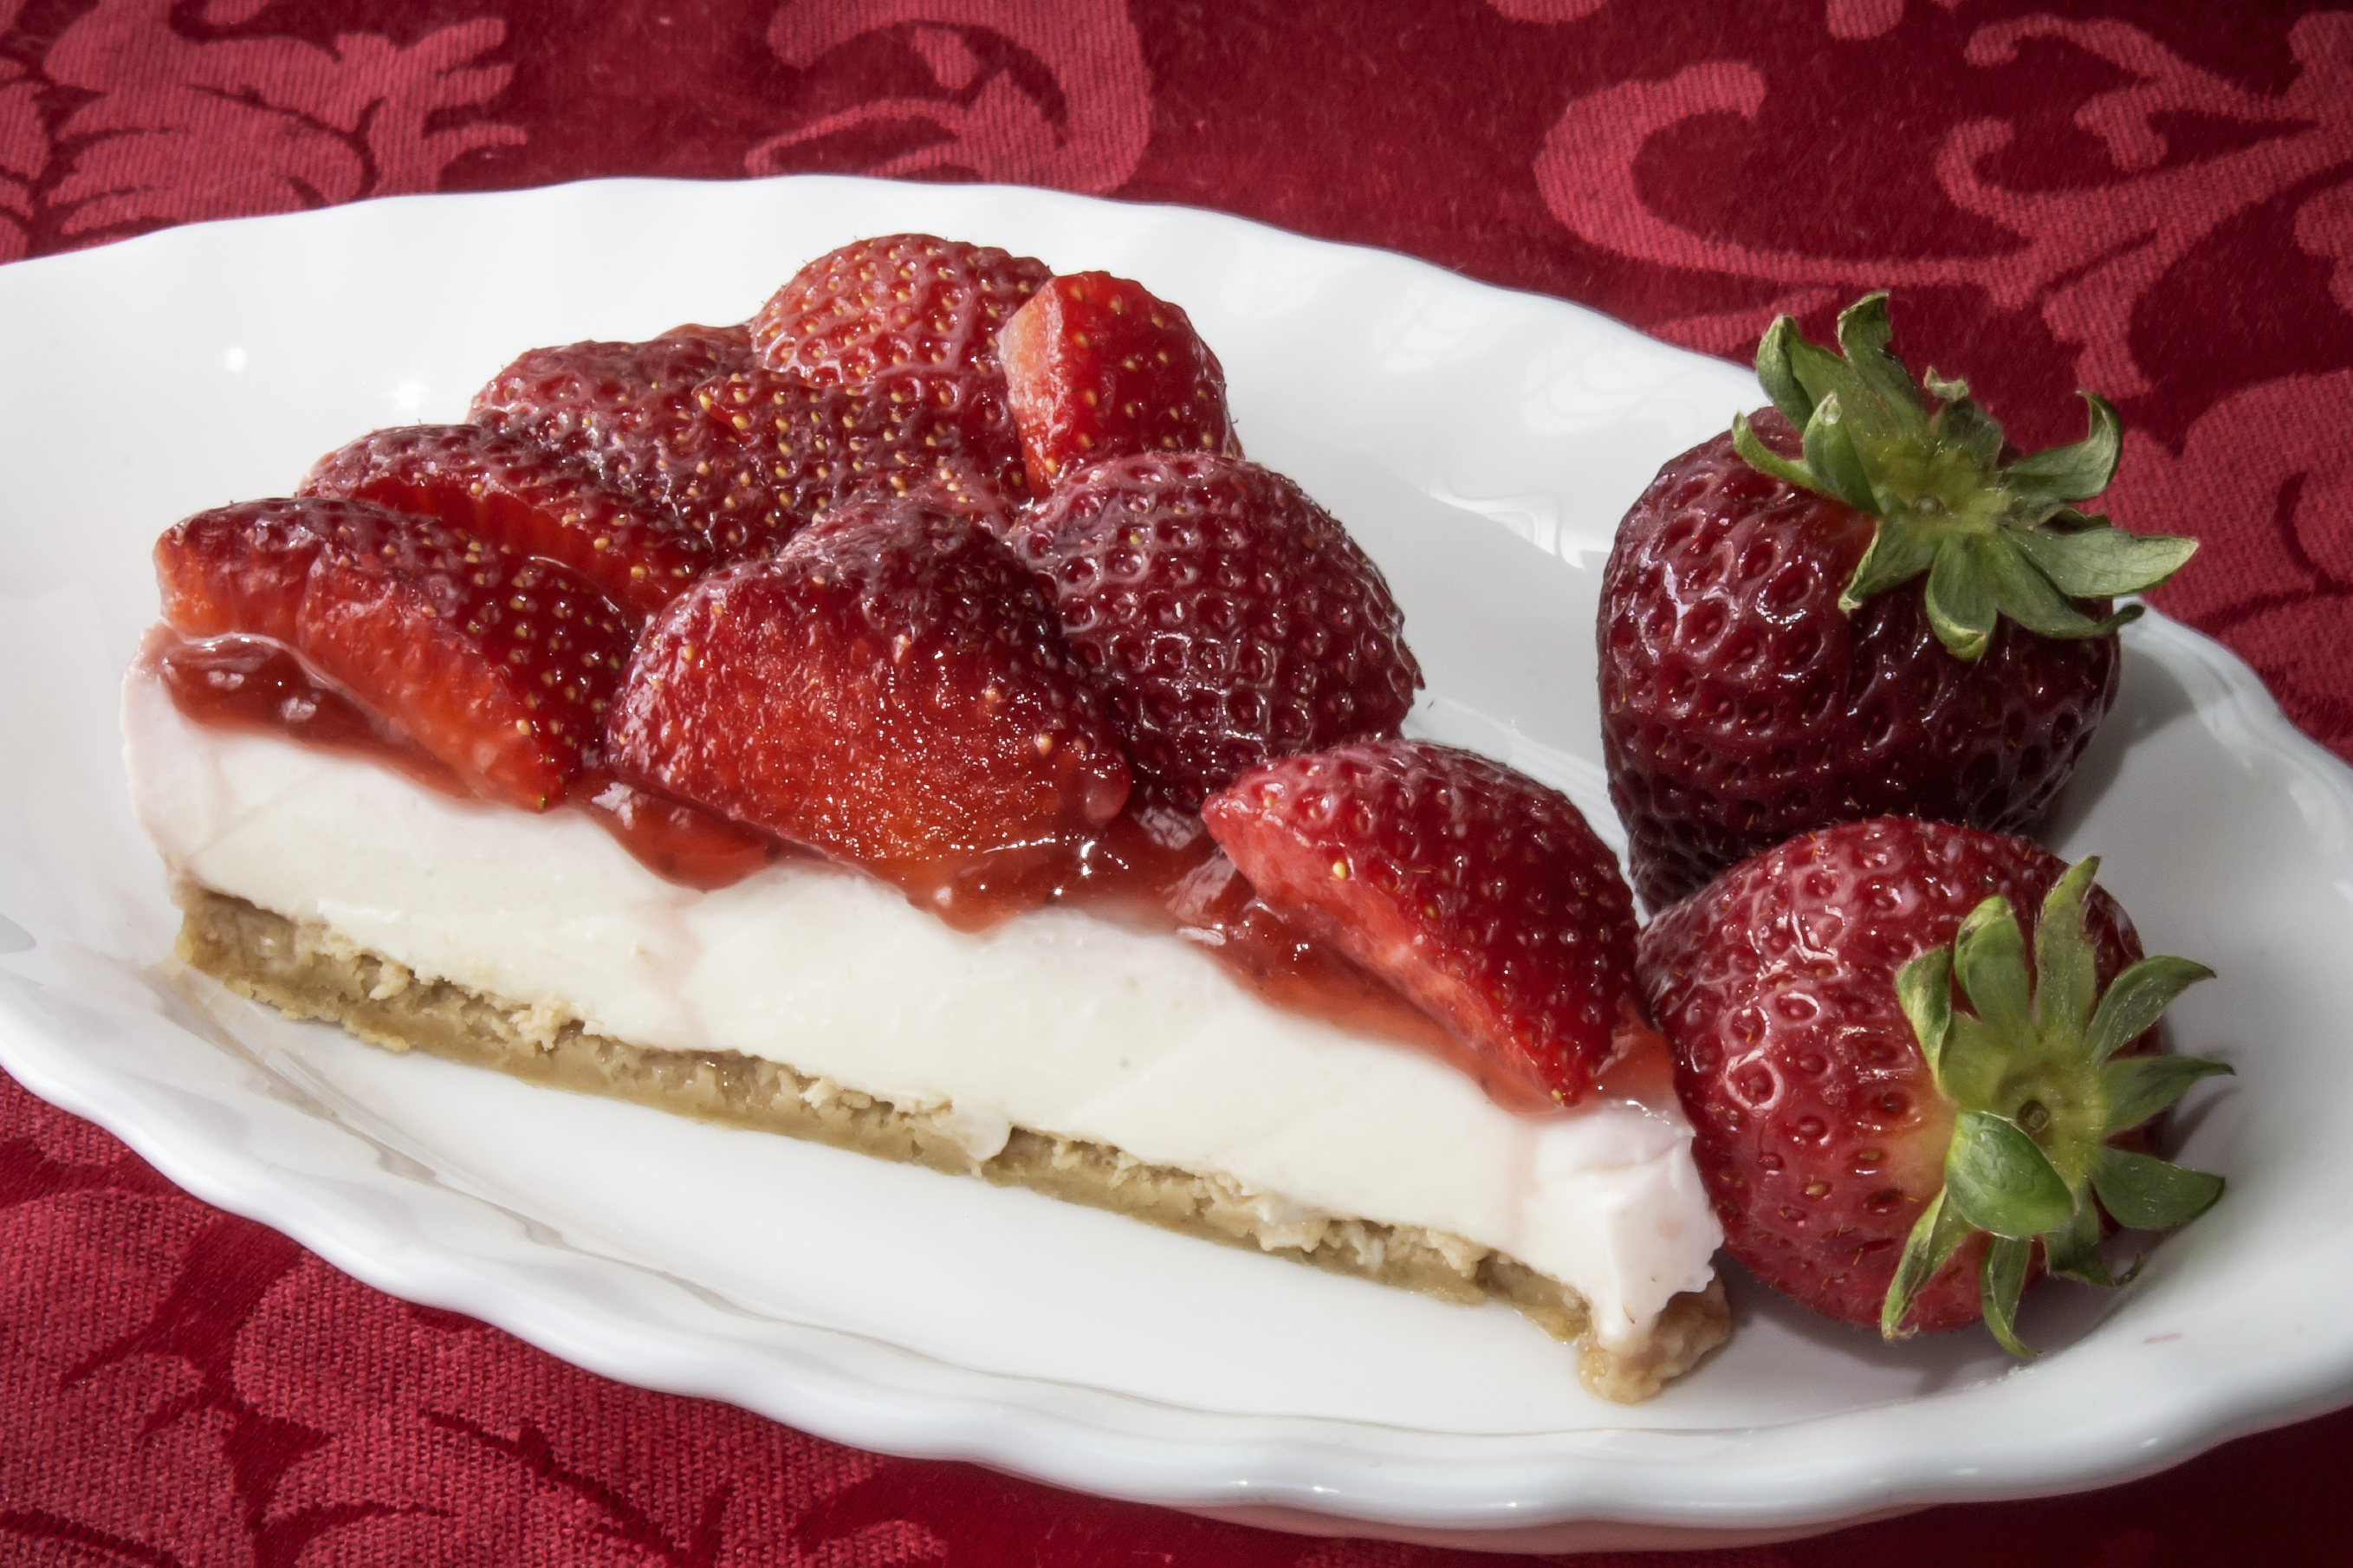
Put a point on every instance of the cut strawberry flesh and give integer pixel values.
(1477, 893)
(498, 489)
(1096, 366)
(498, 664)
(890, 689)
(635, 415)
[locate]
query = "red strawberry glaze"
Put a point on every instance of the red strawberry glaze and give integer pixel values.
(1152, 869)
(261, 686)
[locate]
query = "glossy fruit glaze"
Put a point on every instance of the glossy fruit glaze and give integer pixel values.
(1153, 868)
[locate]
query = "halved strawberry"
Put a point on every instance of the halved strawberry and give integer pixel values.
(1478, 893)
(499, 664)
(496, 488)
(891, 689)
(816, 447)
(1228, 617)
(1891, 1040)
(1097, 366)
(899, 301)
(630, 413)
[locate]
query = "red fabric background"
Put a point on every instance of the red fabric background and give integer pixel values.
(2152, 199)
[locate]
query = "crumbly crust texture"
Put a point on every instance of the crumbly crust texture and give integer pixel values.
(306, 970)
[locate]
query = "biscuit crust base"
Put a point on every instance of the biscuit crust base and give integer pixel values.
(306, 970)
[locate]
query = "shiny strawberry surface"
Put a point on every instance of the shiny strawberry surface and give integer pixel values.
(902, 301)
(1821, 1133)
(1741, 706)
(497, 489)
(1477, 893)
(630, 413)
(892, 688)
(1097, 366)
(498, 664)
(1228, 618)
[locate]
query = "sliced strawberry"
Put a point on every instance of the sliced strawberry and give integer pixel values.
(891, 689)
(495, 486)
(1478, 893)
(1228, 617)
(632, 413)
(902, 301)
(499, 664)
(1097, 367)
(613, 405)
(816, 447)
(242, 568)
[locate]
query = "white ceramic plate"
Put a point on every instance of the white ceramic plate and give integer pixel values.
(1482, 445)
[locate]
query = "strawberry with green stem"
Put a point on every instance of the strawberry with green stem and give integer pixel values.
(1849, 605)
(1868, 1144)
(2043, 1091)
(1995, 539)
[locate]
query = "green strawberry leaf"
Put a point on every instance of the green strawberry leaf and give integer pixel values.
(1781, 384)
(1959, 600)
(2024, 594)
(2135, 1000)
(2065, 976)
(1994, 541)
(2073, 1252)
(1764, 460)
(1935, 1236)
(1974, 1062)
(2001, 1180)
(2140, 1087)
(1895, 411)
(2149, 1194)
(1896, 555)
(1989, 957)
(2099, 561)
(2037, 1088)
(2074, 473)
(2001, 1281)
(1923, 989)
(1832, 458)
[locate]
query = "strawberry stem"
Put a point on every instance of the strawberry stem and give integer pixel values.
(2037, 1101)
(1993, 540)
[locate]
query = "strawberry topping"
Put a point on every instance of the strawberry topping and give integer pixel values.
(891, 689)
(1478, 893)
(498, 664)
(630, 413)
(901, 301)
(1228, 618)
(813, 448)
(1097, 366)
(498, 489)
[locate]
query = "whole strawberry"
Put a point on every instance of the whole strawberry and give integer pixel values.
(1917, 1062)
(1228, 617)
(1852, 606)
(1477, 893)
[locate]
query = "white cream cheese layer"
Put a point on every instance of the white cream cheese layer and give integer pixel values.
(1054, 1021)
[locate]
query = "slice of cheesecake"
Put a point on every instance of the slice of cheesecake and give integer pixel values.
(1056, 1050)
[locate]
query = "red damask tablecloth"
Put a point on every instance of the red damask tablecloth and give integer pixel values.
(2151, 199)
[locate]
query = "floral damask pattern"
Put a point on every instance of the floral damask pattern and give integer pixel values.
(985, 122)
(181, 113)
(2156, 199)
